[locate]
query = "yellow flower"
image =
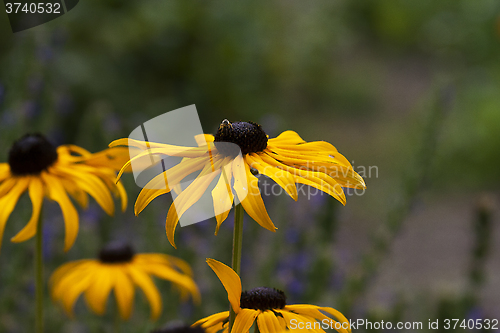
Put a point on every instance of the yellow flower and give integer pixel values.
(39, 168)
(267, 307)
(287, 159)
(119, 268)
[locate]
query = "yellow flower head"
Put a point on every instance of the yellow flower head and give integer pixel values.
(267, 307)
(287, 159)
(39, 168)
(119, 268)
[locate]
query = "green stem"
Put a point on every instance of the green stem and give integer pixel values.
(256, 328)
(237, 242)
(117, 325)
(39, 279)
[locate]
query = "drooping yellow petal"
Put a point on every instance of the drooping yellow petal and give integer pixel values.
(90, 183)
(312, 311)
(113, 158)
(183, 281)
(203, 139)
(230, 280)
(268, 323)
(336, 314)
(315, 146)
(294, 321)
(164, 259)
(282, 177)
(69, 287)
(98, 291)
(9, 201)
(61, 271)
(71, 150)
(288, 137)
(7, 185)
(4, 172)
(148, 287)
(36, 194)
(249, 194)
(187, 198)
(123, 195)
(162, 183)
(343, 174)
(222, 195)
(212, 320)
(315, 179)
(244, 320)
(70, 215)
(76, 192)
(124, 293)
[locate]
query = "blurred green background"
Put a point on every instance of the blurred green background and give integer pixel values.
(408, 88)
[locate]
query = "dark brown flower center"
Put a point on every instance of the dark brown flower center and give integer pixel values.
(116, 253)
(263, 298)
(179, 328)
(31, 154)
(249, 136)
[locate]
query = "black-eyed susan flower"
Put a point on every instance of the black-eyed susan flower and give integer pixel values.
(43, 170)
(120, 269)
(267, 308)
(287, 159)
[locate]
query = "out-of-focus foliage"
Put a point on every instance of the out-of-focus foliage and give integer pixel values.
(362, 74)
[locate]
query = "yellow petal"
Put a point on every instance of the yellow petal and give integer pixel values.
(148, 287)
(163, 259)
(36, 196)
(123, 195)
(244, 320)
(124, 294)
(338, 315)
(249, 194)
(230, 280)
(282, 177)
(4, 172)
(203, 139)
(222, 195)
(212, 320)
(187, 198)
(90, 183)
(98, 291)
(62, 270)
(289, 137)
(114, 158)
(268, 323)
(72, 285)
(9, 201)
(58, 194)
(294, 320)
(184, 282)
(77, 193)
(7, 185)
(318, 180)
(162, 183)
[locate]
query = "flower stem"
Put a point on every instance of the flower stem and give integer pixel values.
(117, 323)
(39, 278)
(237, 242)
